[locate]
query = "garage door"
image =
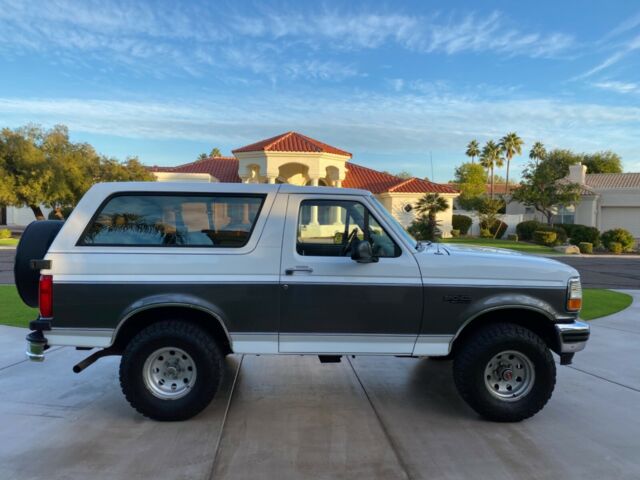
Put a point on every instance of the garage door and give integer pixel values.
(621, 217)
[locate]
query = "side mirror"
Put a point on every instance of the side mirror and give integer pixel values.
(363, 253)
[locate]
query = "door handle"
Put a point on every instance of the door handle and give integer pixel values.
(301, 269)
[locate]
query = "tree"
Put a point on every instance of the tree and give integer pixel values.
(510, 144)
(603, 162)
(202, 156)
(490, 158)
(473, 150)
(544, 188)
(562, 159)
(471, 179)
(427, 208)
(488, 211)
(43, 167)
(537, 152)
(215, 152)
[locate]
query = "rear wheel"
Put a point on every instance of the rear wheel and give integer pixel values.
(505, 372)
(171, 370)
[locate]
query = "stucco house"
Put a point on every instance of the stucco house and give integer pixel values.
(607, 200)
(300, 160)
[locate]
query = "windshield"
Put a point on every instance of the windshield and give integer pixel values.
(394, 223)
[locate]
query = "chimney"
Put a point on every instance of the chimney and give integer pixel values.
(578, 173)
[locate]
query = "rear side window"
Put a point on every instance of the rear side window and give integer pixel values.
(174, 220)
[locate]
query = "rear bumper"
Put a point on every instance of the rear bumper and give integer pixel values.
(573, 336)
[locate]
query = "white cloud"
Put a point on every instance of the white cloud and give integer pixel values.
(618, 87)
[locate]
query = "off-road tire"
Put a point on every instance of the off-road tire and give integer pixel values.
(193, 340)
(473, 356)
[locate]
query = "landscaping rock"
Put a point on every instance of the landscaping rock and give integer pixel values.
(567, 249)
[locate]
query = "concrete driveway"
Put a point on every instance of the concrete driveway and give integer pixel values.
(293, 418)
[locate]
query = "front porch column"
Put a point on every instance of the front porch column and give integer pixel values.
(314, 209)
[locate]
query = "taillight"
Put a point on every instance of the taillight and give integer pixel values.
(45, 298)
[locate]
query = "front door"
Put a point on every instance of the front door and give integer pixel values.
(329, 302)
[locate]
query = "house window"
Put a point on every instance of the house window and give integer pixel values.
(565, 215)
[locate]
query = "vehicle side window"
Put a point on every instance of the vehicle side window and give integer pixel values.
(326, 227)
(174, 220)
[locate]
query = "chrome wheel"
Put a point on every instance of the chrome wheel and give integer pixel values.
(509, 375)
(169, 373)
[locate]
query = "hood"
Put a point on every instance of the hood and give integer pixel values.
(496, 266)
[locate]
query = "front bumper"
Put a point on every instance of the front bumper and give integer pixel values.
(573, 336)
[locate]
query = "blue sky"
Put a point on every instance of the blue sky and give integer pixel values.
(390, 82)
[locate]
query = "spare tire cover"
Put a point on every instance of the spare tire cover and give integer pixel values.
(34, 243)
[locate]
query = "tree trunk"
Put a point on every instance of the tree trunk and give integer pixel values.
(550, 218)
(58, 213)
(37, 211)
(506, 186)
(492, 182)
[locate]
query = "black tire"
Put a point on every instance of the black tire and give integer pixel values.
(193, 340)
(474, 355)
(34, 243)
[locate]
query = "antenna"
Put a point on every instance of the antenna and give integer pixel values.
(431, 160)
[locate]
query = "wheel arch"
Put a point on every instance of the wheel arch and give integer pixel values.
(138, 319)
(534, 319)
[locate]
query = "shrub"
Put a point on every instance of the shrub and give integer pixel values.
(561, 235)
(5, 233)
(615, 247)
(462, 223)
(485, 233)
(525, 229)
(618, 235)
(455, 233)
(422, 229)
(497, 229)
(545, 237)
(337, 238)
(586, 247)
(582, 233)
(513, 237)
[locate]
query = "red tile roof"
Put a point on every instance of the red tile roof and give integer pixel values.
(379, 182)
(224, 169)
(613, 180)
(291, 142)
(418, 185)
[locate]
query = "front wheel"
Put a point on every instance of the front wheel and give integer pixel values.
(171, 370)
(504, 372)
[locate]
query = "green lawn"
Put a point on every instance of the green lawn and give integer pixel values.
(524, 247)
(9, 242)
(12, 311)
(598, 302)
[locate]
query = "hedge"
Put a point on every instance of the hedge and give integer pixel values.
(5, 233)
(455, 233)
(513, 237)
(582, 233)
(462, 223)
(618, 235)
(485, 233)
(525, 229)
(545, 237)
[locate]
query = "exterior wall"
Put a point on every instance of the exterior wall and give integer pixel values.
(587, 211)
(23, 216)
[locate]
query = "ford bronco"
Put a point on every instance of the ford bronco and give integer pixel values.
(174, 277)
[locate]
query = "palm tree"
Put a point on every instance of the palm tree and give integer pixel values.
(202, 156)
(215, 152)
(473, 150)
(429, 206)
(490, 158)
(537, 152)
(510, 144)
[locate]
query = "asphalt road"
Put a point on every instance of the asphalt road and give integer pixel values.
(290, 417)
(600, 272)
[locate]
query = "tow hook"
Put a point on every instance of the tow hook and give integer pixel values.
(36, 345)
